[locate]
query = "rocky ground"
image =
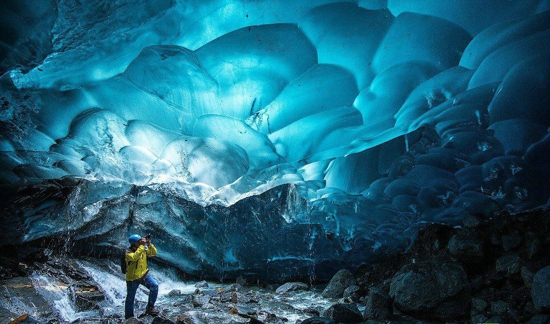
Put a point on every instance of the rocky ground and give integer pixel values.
(486, 271)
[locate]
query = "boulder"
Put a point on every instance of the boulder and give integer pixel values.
(432, 290)
(499, 307)
(318, 320)
(466, 247)
(378, 305)
(338, 284)
(291, 286)
(344, 313)
(478, 305)
(539, 319)
(540, 291)
(509, 264)
(511, 241)
(351, 293)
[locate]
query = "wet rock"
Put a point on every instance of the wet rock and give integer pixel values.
(174, 293)
(291, 286)
(527, 276)
(351, 293)
(161, 320)
(187, 319)
(378, 305)
(237, 297)
(22, 289)
(509, 264)
(540, 292)
(243, 310)
(431, 290)
(201, 300)
(510, 242)
(312, 311)
(499, 307)
(87, 296)
(344, 313)
(338, 284)
(318, 320)
(201, 284)
(254, 321)
(466, 247)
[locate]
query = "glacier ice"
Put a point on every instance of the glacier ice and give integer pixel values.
(276, 138)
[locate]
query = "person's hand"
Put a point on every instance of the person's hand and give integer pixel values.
(148, 240)
(142, 241)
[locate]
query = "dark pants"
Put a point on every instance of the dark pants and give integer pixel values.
(131, 289)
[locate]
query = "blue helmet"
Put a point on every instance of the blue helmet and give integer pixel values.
(134, 238)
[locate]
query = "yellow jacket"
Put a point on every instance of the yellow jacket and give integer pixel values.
(136, 261)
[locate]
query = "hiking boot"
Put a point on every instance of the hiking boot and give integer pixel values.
(151, 310)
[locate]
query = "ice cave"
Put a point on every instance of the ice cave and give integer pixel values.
(273, 141)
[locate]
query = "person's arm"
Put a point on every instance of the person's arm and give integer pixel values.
(134, 256)
(152, 250)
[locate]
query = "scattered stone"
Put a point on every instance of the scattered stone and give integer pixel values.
(244, 310)
(186, 319)
(540, 292)
(532, 245)
(499, 307)
(378, 305)
(161, 320)
(201, 300)
(133, 320)
(318, 320)
(466, 247)
(479, 305)
(344, 313)
(338, 284)
(510, 242)
(432, 290)
(527, 276)
(202, 284)
(509, 264)
(291, 286)
(174, 293)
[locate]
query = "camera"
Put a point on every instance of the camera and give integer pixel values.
(148, 236)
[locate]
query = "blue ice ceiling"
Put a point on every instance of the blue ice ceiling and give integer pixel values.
(423, 110)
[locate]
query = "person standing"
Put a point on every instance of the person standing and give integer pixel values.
(137, 273)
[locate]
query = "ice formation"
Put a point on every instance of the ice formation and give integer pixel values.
(378, 116)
